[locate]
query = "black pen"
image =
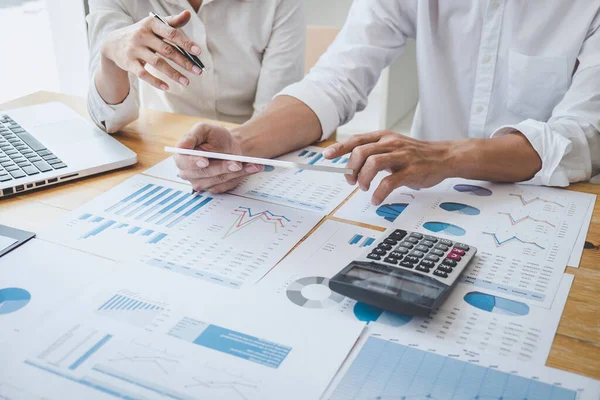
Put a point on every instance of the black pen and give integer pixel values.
(189, 56)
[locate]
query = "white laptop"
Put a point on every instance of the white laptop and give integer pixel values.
(49, 143)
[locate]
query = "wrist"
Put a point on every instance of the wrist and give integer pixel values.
(462, 158)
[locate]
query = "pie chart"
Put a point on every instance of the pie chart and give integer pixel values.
(367, 313)
(496, 305)
(460, 208)
(390, 212)
(473, 189)
(313, 292)
(13, 299)
(444, 227)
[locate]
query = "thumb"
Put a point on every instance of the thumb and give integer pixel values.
(177, 21)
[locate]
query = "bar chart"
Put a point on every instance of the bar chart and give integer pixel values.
(364, 241)
(131, 308)
(387, 370)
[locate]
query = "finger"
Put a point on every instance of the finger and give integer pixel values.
(208, 183)
(375, 164)
(161, 65)
(174, 36)
(341, 148)
(253, 168)
(357, 159)
(190, 163)
(169, 51)
(179, 20)
(387, 186)
(215, 168)
(139, 70)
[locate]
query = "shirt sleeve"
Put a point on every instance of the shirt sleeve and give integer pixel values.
(569, 142)
(373, 37)
(283, 58)
(105, 17)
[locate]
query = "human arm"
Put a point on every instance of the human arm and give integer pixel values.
(120, 50)
(283, 58)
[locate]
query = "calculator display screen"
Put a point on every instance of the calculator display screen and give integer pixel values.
(409, 287)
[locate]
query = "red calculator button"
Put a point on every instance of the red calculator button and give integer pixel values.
(458, 251)
(454, 256)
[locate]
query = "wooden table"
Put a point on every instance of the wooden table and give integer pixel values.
(576, 347)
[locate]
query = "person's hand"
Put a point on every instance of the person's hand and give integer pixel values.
(134, 46)
(215, 176)
(411, 162)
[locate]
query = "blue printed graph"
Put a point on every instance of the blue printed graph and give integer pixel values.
(495, 304)
(367, 313)
(313, 157)
(500, 243)
(364, 241)
(388, 370)
(460, 208)
(13, 299)
(444, 227)
(132, 308)
(101, 227)
(473, 189)
(390, 212)
(159, 205)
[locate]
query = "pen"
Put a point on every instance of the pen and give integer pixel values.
(189, 56)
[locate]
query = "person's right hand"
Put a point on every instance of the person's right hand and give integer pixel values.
(215, 176)
(134, 46)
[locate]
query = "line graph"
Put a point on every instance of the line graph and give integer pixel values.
(500, 243)
(531, 201)
(246, 217)
(164, 364)
(514, 221)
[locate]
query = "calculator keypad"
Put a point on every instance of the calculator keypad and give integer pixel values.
(423, 253)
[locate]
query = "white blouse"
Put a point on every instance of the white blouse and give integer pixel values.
(251, 48)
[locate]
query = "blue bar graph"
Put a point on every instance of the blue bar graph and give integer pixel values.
(335, 160)
(303, 153)
(388, 370)
(148, 232)
(123, 302)
(155, 207)
(316, 159)
(367, 242)
(128, 198)
(97, 219)
(180, 209)
(311, 154)
(355, 239)
(190, 212)
(91, 351)
(169, 207)
(99, 229)
(157, 238)
(345, 160)
(133, 230)
(149, 202)
(84, 217)
(139, 200)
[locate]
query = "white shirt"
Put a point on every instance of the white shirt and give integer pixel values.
(485, 68)
(251, 48)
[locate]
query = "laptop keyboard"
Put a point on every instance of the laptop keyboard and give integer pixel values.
(21, 154)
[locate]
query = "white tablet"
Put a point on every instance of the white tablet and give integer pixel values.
(255, 160)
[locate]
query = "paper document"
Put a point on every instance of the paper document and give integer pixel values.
(385, 366)
(157, 338)
(525, 234)
(38, 278)
(577, 252)
(303, 189)
(222, 239)
(473, 320)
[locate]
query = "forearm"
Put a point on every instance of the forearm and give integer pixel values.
(285, 125)
(509, 158)
(111, 81)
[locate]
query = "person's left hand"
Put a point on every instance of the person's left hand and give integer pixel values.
(411, 162)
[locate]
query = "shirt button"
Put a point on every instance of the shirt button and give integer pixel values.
(486, 59)
(479, 109)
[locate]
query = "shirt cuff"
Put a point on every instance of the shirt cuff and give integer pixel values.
(550, 146)
(325, 109)
(110, 117)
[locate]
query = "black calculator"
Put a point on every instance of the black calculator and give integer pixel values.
(404, 272)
